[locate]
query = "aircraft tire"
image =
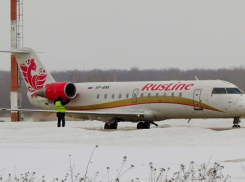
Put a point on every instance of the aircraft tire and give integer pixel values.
(110, 126)
(140, 125)
(106, 126)
(113, 126)
(147, 125)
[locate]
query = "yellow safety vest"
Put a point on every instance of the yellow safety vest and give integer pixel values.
(60, 107)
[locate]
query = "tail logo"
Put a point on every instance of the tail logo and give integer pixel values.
(36, 80)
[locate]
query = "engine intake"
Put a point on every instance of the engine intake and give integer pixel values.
(62, 89)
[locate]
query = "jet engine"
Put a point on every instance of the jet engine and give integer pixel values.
(52, 90)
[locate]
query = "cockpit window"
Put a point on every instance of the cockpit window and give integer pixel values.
(227, 90)
(233, 91)
(219, 91)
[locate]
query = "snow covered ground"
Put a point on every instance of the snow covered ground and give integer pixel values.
(45, 149)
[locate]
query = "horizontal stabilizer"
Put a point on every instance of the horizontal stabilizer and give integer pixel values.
(17, 52)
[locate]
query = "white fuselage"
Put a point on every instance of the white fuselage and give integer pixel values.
(158, 99)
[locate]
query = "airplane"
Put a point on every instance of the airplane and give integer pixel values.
(142, 102)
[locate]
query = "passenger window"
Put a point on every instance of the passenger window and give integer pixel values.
(141, 95)
(180, 94)
(119, 96)
(219, 91)
(135, 95)
(105, 96)
(127, 95)
(112, 96)
(233, 91)
(149, 95)
(164, 95)
(172, 95)
(98, 96)
(156, 95)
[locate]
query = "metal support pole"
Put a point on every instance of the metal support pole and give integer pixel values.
(14, 66)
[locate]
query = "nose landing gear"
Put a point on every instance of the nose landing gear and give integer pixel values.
(235, 123)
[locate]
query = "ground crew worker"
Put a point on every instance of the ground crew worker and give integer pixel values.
(61, 110)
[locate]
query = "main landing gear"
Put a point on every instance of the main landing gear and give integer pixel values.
(145, 125)
(235, 123)
(141, 125)
(110, 126)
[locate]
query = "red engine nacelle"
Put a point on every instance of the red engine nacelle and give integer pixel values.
(62, 89)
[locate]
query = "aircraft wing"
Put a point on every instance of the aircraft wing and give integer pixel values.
(139, 114)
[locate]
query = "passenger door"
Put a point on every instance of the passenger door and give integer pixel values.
(197, 100)
(134, 95)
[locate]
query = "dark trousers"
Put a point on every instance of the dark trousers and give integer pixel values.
(61, 117)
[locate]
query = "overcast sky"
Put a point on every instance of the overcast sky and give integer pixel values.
(147, 34)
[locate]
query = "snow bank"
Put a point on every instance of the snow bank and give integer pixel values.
(45, 149)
